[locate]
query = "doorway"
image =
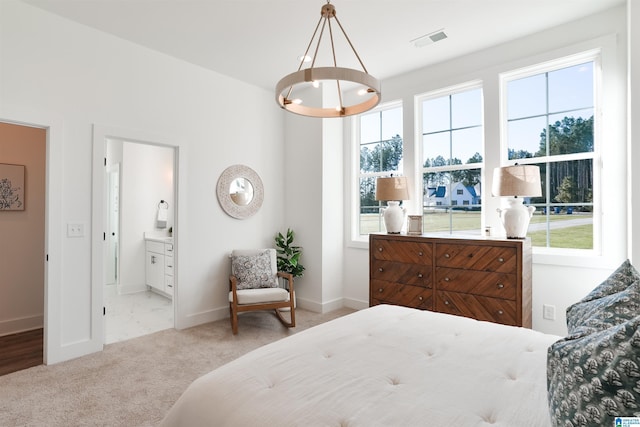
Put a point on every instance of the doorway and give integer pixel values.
(23, 169)
(137, 176)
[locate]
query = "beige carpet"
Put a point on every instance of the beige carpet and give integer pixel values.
(135, 382)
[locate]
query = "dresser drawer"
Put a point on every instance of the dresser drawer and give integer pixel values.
(383, 292)
(411, 274)
(498, 285)
(404, 251)
(478, 307)
(477, 257)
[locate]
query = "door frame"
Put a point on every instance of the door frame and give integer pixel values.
(54, 351)
(99, 217)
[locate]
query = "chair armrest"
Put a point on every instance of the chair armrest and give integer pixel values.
(289, 278)
(233, 286)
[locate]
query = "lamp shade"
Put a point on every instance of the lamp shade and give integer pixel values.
(392, 188)
(517, 180)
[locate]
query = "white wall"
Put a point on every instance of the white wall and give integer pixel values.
(557, 280)
(53, 68)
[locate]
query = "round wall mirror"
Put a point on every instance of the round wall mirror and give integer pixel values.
(240, 191)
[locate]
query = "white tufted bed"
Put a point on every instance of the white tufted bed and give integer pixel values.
(382, 366)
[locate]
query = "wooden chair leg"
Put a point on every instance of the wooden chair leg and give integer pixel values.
(233, 316)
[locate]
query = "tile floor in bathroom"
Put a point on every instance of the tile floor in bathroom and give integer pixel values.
(134, 315)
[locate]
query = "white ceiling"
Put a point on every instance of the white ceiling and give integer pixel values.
(258, 41)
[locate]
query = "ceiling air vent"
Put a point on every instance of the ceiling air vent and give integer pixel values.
(433, 37)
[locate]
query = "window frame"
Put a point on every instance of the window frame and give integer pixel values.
(419, 148)
(357, 239)
(592, 55)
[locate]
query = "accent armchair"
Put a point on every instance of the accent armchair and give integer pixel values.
(253, 285)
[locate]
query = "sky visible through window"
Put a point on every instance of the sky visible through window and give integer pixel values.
(391, 126)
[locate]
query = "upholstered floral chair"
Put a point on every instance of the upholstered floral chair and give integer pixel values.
(254, 285)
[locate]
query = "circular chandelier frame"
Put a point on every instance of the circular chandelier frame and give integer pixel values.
(313, 74)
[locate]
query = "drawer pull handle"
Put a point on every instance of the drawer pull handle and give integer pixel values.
(380, 269)
(420, 254)
(447, 255)
(500, 286)
(500, 312)
(446, 279)
(420, 275)
(380, 290)
(500, 259)
(446, 303)
(420, 298)
(380, 249)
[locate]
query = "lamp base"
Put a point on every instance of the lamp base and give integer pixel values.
(515, 218)
(393, 217)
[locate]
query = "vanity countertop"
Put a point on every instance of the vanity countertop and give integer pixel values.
(158, 237)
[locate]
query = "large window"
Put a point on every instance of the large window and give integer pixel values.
(452, 162)
(550, 123)
(380, 146)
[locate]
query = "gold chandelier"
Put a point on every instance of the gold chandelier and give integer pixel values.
(314, 75)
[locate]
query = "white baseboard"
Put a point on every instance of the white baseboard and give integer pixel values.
(21, 324)
(329, 306)
(356, 304)
(202, 318)
(131, 289)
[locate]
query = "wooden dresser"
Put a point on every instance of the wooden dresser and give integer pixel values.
(483, 278)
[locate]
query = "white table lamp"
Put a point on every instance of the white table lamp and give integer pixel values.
(393, 190)
(516, 182)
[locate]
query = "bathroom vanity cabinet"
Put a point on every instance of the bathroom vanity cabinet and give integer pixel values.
(159, 265)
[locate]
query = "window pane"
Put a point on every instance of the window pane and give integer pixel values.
(435, 115)
(524, 137)
(452, 201)
(526, 97)
(467, 145)
(466, 109)
(568, 227)
(571, 88)
(436, 149)
(565, 218)
(571, 134)
(370, 218)
(370, 127)
(391, 123)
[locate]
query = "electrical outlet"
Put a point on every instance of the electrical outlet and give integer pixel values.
(549, 312)
(75, 230)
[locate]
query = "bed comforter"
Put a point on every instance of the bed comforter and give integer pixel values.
(382, 366)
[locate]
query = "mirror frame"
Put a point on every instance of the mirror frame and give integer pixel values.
(229, 175)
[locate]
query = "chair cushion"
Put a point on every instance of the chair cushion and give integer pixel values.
(593, 378)
(253, 271)
(256, 296)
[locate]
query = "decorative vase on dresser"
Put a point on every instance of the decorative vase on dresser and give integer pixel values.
(478, 277)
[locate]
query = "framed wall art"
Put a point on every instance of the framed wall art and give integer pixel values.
(414, 224)
(11, 187)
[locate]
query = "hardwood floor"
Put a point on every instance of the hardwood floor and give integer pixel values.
(21, 351)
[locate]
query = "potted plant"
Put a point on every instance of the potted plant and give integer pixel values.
(288, 254)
